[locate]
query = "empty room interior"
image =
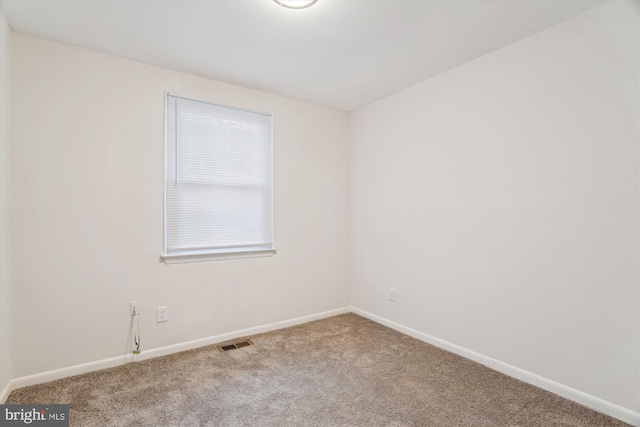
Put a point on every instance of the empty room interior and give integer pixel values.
(330, 212)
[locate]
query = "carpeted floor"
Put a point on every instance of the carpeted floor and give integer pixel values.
(341, 371)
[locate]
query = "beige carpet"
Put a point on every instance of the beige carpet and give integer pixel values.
(341, 371)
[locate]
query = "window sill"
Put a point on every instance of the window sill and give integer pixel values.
(219, 255)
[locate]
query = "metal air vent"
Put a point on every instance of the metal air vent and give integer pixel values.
(234, 346)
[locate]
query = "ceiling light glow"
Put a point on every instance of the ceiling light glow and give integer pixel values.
(295, 4)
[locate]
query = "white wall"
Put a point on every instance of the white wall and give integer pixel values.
(501, 200)
(5, 276)
(87, 180)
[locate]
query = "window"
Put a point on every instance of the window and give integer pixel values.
(218, 182)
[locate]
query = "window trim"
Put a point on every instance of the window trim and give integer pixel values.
(219, 253)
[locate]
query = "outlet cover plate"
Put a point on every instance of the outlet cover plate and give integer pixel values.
(163, 314)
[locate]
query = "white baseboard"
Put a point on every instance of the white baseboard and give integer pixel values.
(590, 401)
(84, 368)
(70, 371)
(189, 345)
(6, 392)
(567, 392)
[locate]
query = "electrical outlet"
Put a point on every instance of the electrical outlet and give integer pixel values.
(135, 308)
(163, 314)
(392, 294)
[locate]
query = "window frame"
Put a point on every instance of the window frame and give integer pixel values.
(187, 256)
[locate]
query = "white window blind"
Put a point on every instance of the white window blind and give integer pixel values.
(219, 194)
